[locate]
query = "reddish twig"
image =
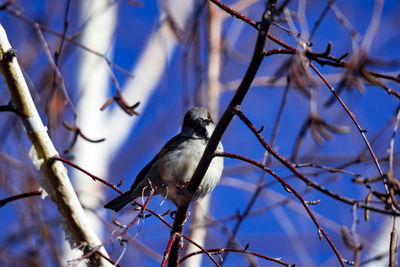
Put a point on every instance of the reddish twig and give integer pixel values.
(293, 169)
(235, 14)
(221, 127)
(108, 259)
(19, 196)
(171, 241)
(96, 178)
(6, 4)
(325, 59)
(221, 250)
(143, 208)
(122, 103)
(292, 190)
(127, 228)
(78, 132)
(351, 115)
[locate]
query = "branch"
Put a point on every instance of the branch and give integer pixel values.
(234, 13)
(56, 181)
(120, 236)
(351, 115)
(142, 206)
(300, 175)
(23, 195)
(219, 251)
(78, 132)
(289, 187)
(220, 129)
(69, 38)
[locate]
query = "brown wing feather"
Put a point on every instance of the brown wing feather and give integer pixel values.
(171, 144)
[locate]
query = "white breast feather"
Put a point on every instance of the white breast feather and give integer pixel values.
(181, 171)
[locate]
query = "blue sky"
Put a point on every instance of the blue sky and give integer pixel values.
(162, 118)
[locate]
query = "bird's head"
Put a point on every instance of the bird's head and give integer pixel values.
(198, 123)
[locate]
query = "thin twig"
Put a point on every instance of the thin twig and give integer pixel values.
(292, 190)
(159, 216)
(221, 127)
(351, 115)
(221, 250)
(19, 196)
(300, 175)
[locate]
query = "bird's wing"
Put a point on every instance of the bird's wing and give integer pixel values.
(170, 145)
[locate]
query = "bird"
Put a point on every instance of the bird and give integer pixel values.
(171, 169)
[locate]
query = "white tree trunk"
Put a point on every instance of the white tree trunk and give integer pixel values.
(198, 231)
(93, 86)
(55, 182)
(94, 81)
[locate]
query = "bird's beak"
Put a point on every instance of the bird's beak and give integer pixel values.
(203, 123)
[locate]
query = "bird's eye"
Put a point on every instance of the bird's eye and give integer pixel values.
(204, 122)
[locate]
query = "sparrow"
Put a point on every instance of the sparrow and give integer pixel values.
(172, 168)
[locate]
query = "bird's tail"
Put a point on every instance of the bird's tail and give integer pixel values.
(119, 202)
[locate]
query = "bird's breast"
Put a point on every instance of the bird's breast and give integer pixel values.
(178, 165)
